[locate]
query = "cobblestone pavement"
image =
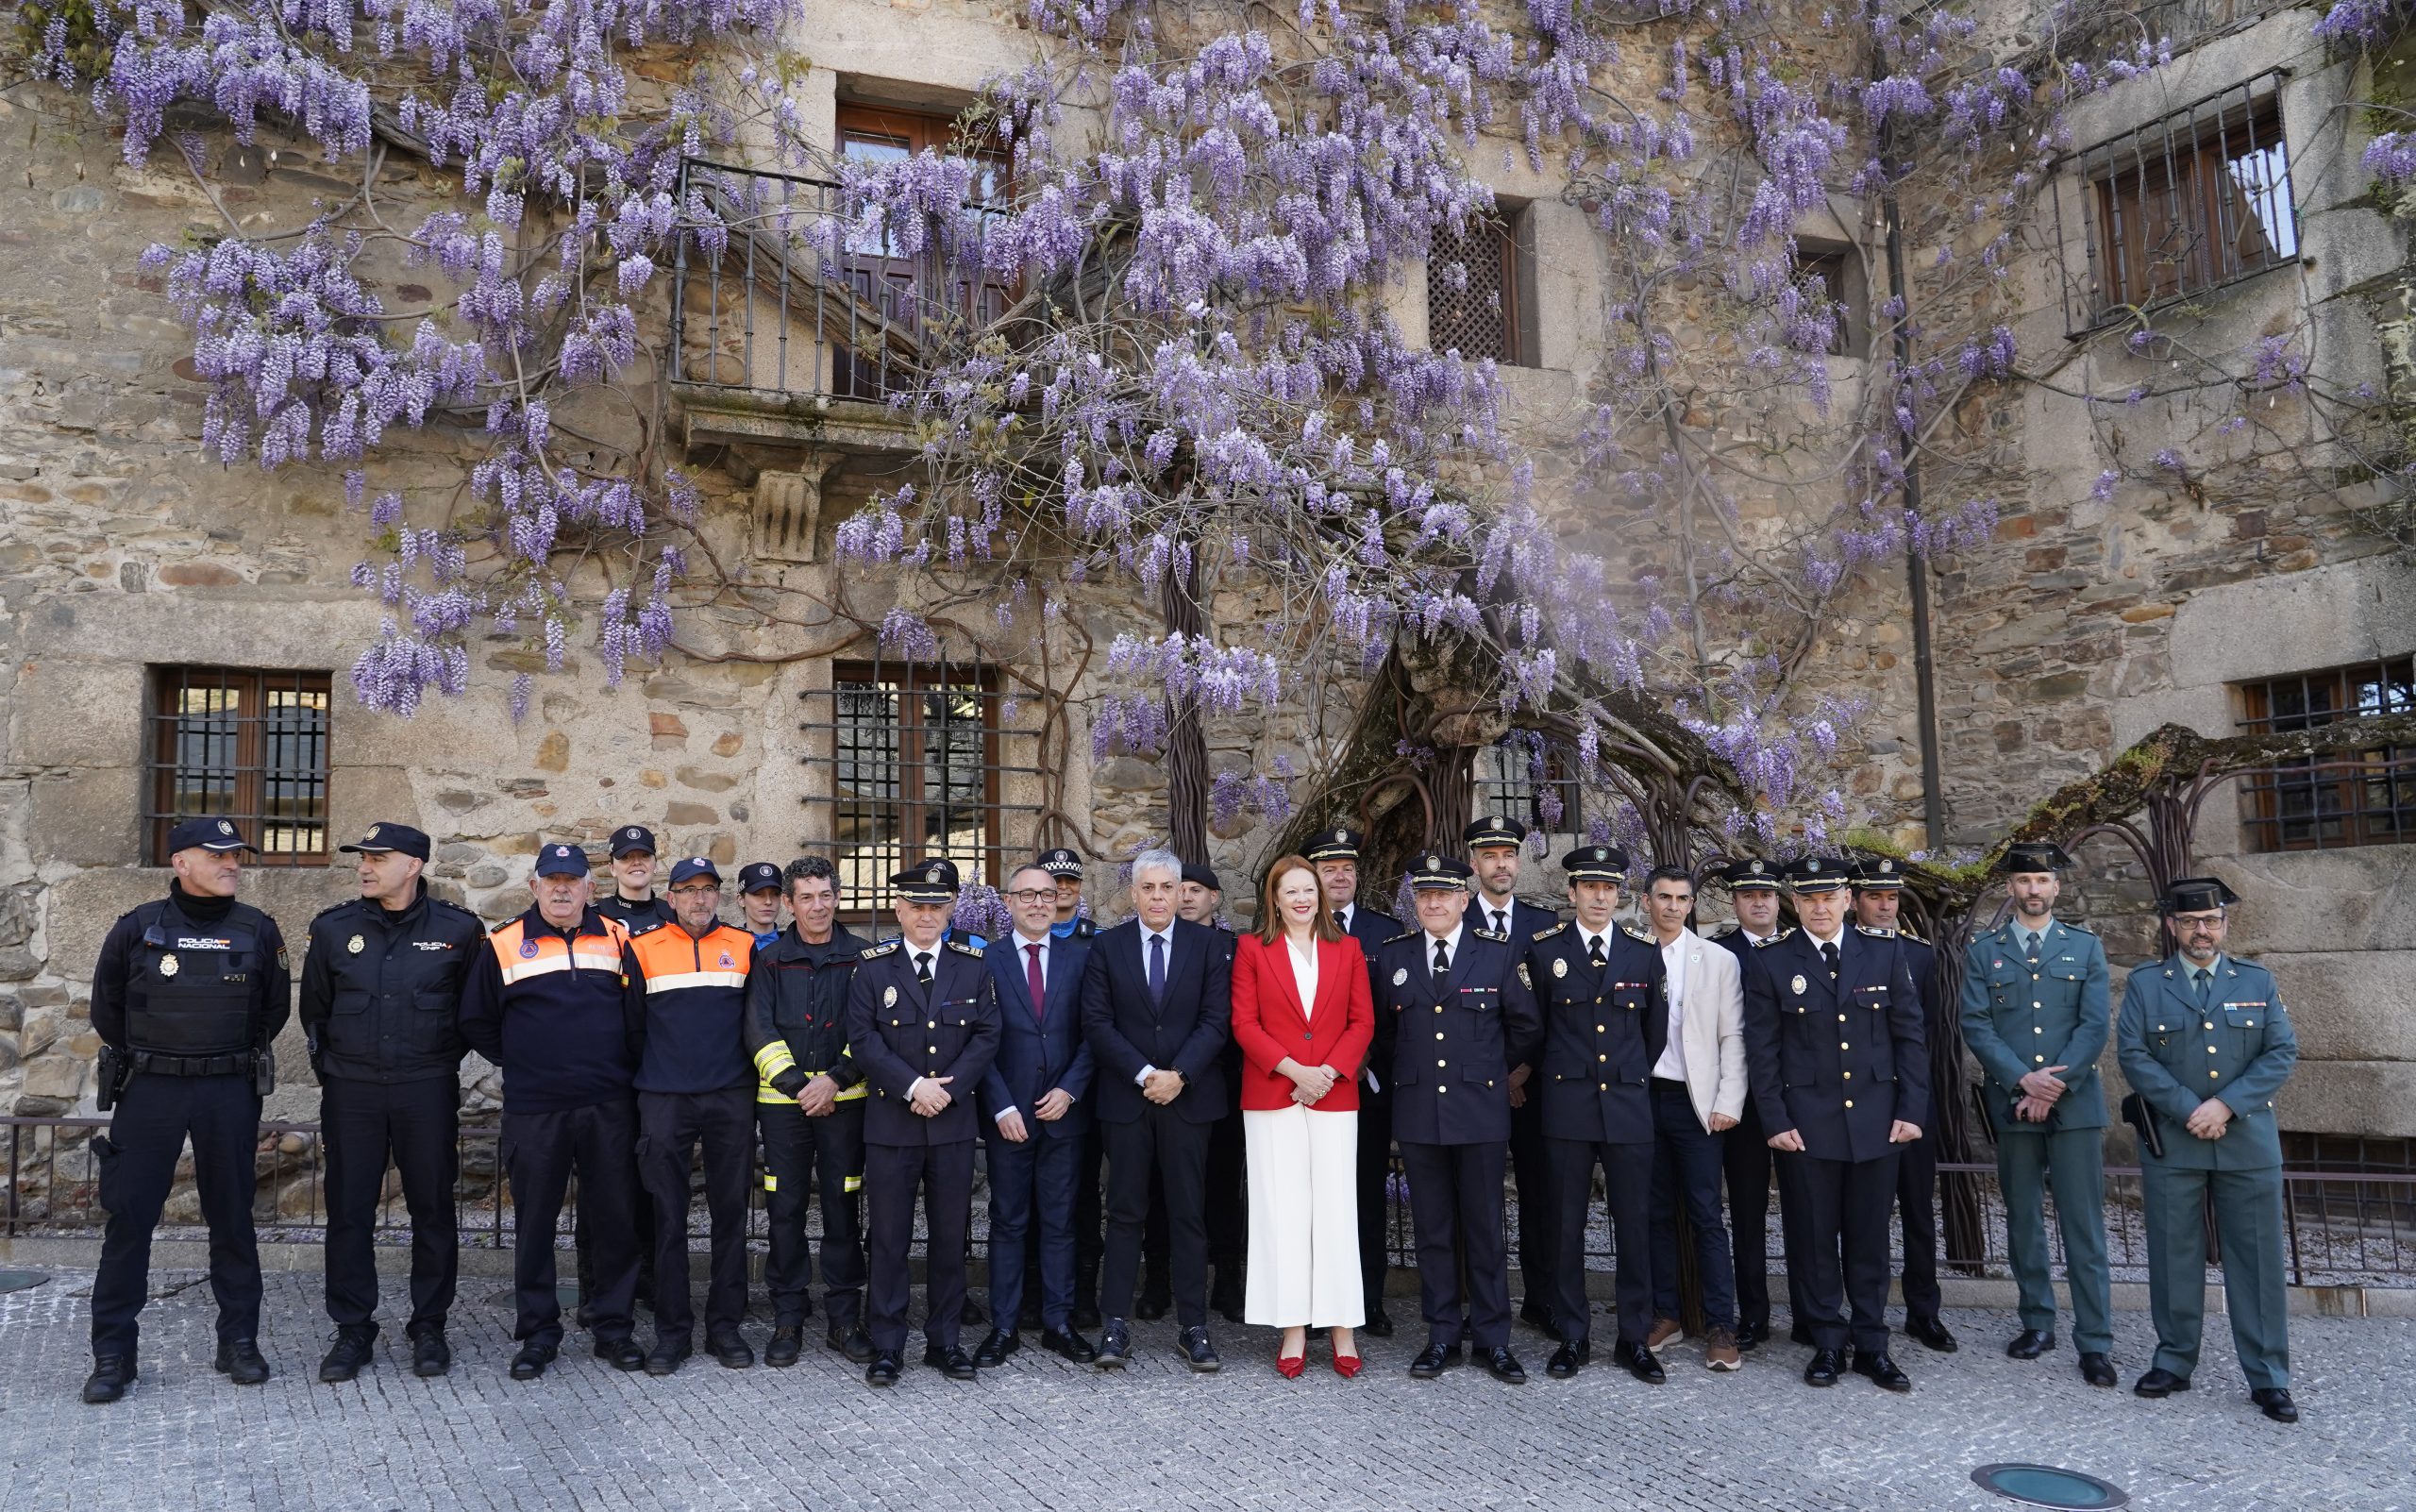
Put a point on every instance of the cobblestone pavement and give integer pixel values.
(1041, 1434)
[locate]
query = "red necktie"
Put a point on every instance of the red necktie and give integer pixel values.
(1031, 979)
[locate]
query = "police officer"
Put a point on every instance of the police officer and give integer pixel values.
(1833, 1040)
(1065, 867)
(1336, 856)
(923, 1026)
(189, 991)
(1745, 1161)
(1600, 986)
(1878, 900)
(1452, 1019)
(2035, 1015)
(759, 900)
(1495, 851)
(382, 999)
(809, 1105)
(2205, 1042)
(1090, 1206)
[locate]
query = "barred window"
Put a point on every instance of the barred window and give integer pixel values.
(1472, 293)
(919, 762)
(2350, 799)
(250, 745)
(1527, 777)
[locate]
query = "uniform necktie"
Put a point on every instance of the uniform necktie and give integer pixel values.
(1442, 964)
(1031, 981)
(1342, 921)
(2030, 944)
(1501, 921)
(1829, 953)
(1157, 967)
(1594, 953)
(923, 968)
(2204, 979)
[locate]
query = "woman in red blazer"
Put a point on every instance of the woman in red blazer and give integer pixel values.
(1303, 1019)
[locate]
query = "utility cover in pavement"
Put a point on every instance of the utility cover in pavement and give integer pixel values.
(2047, 1486)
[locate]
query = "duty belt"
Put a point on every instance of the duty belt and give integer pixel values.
(237, 1064)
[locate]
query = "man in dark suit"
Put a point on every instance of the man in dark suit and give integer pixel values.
(1033, 1107)
(1752, 891)
(1840, 1071)
(1496, 849)
(1335, 854)
(1203, 902)
(1450, 993)
(923, 1029)
(1605, 1024)
(1157, 998)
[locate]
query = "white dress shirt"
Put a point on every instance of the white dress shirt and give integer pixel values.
(1023, 956)
(1672, 1063)
(1451, 945)
(1304, 974)
(1146, 935)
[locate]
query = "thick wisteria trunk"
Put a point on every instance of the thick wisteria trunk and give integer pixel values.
(1187, 748)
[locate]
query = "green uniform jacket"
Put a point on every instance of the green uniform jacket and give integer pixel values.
(2020, 1018)
(2238, 1046)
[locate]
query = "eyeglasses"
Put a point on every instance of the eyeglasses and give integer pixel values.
(1034, 894)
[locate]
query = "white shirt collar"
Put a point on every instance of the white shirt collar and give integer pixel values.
(1836, 939)
(1023, 943)
(1508, 908)
(1349, 912)
(1451, 942)
(1586, 937)
(1167, 934)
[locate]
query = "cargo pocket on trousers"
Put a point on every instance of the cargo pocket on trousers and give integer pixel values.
(110, 1160)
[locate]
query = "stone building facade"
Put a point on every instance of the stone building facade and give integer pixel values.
(127, 560)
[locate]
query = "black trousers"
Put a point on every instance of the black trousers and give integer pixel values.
(1227, 1215)
(1844, 1209)
(1538, 1215)
(1456, 1209)
(1159, 1143)
(1090, 1214)
(1747, 1160)
(1917, 1211)
(1375, 1189)
(414, 1124)
(671, 1125)
(1627, 1189)
(804, 1157)
(893, 1174)
(137, 1167)
(541, 1152)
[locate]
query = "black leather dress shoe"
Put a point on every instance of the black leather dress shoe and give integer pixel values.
(2276, 1403)
(239, 1360)
(1433, 1360)
(730, 1349)
(353, 1350)
(2030, 1343)
(1505, 1365)
(787, 1342)
(1071, 1346)
(951, 1362)
(1639, 1362)
(111, 1374)
(532, 1361)
(1198, 1352)
(622, 1353)
(883, 1370)
(2098, 1370)
(1751, 1335)
(993, 1349)
(668, 1354)
(1569, 1359)
(1535, 1313)
(2159, 1383)
(854, 1343)
(1823, 1369)
(1115, 1346)
(431, 1356)
(1378, 1324)
(1931, 1333)
(1801, 1334)
(1881, 1371)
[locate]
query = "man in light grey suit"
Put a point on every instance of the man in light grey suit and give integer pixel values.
(1697, 1093)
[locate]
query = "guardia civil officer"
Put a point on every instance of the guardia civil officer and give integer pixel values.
(1452, 1019)
(2035, 1015)
(1336, 856)
(1833, 1040)
(1745, 1161)
(2205, 1042)
(382, 999)
(1600, 986)
(923, 1027)
(1878, 900)
(189, 991)
(1496, 850)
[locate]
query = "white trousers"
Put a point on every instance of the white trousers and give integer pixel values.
(1303, 1219)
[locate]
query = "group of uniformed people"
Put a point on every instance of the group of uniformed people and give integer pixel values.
(635, 1032)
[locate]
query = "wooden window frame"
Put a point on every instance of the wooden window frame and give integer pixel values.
(1448, 329)
(245, 786)
(2337, 802)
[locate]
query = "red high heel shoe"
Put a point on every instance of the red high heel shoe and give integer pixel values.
(1290, 1366)
(1347, 1366)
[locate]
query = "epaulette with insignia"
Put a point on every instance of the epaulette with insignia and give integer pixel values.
(959, 945)
(646, 928)
(1409, 935)
(334, 908)
(884, 948)
(2078, 929)
(1546, 934)
(1874, 932)
(1635, 934)
(1722, 932)
(1488, 934)
(1910, 935)
(1774, 939)
(1085, 928)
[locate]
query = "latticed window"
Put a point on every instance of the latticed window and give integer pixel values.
(1472, 292)
(1527, 777)
(919, 767)
(2350, 799)
(251, 745)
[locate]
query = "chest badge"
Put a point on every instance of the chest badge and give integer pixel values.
(889, 997)
(1401, 974)
(167, 965)
(1796, 986)
(356, 945)
(1560, 966)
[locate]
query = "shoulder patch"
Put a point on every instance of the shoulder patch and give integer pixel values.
(962, 949)
(872, 951)
(335, 908)
(1635, 934)
(1408, 934)
(1546, 934)
(1910, 935)
(1782, 935)
(1488, 934)
(2078, 929)
(450, 907)
(648, 928)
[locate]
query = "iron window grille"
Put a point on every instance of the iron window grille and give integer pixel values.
(250, 745)
(2329, 803)
(920, 762)
(1528, 777)
(1472, 292)
(2185, 205)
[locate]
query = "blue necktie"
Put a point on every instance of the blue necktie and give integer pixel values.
(1157, 967)
(2205, 978)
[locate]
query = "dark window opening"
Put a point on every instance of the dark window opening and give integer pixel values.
(250, 746)
(2365, 798)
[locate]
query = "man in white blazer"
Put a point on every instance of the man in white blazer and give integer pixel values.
(1698, 1094)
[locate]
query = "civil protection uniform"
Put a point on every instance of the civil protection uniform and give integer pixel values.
(2182, 1040)
(188, 995)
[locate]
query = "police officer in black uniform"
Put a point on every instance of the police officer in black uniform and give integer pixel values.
(381, 994)
(1334, 853)
(189, 991)
(1496, 847)
(1065, 866)
(632, 901)
(1745, 1159)
(1452, 1019)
